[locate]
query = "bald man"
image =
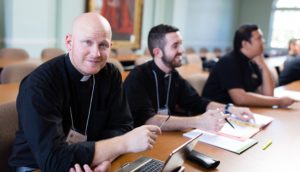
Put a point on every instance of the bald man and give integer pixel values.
(73, 112)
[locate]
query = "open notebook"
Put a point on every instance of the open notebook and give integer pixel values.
(245, 130)
(173, 163)
(235, 140)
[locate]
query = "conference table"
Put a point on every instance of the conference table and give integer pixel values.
(281, 155)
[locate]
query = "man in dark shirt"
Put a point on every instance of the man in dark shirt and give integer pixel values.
(155, 90)
(73, 112)
(291, 71)
(242, 76)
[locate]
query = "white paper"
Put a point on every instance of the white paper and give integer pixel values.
(223, 142)
(280, 92)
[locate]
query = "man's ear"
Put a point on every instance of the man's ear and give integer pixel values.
(245, 44)
(157, 52)
(68, 42)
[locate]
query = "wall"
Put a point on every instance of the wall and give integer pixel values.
(202, 23)
(2, 23)
(257, 12)
(206, 23)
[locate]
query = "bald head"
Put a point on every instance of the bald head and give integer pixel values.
(91, 22)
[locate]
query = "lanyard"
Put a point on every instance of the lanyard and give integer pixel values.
(157, 92)
(89, 112)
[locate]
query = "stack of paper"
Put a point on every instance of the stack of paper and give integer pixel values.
(281, 91)
(235, 140)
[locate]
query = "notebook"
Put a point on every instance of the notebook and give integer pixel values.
(173, 163)
(227, 143)
(244, 130)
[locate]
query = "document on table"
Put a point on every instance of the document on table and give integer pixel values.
(280, 92)
(244, 130)
(233, 145)
(236, 139)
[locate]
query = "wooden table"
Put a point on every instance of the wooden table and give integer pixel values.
(6, 62)
(282, 155)
(190, 69)
(8, 92)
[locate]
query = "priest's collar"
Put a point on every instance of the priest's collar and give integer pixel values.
(74, 73)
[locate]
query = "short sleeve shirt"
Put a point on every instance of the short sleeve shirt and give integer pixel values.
(234, 70)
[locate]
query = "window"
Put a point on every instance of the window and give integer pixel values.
(285, 23)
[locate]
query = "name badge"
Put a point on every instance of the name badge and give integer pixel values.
(75, 137)
(163, 111)
(254, 76)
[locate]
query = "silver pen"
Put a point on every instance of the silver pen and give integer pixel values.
(162, 124)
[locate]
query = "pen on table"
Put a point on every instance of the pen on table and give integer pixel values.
(162, 124)
(267, 145)
(229, 123)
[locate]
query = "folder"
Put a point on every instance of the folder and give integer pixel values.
(227, 143)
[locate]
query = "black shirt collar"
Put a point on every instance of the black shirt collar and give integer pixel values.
(158, 71)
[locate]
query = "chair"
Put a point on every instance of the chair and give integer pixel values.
(193, 58)
(117, 63)
(197, 81)
(16, 72)
(13, 53)
(142, 60)
(190, 50)
(49, 53)
(8, 128)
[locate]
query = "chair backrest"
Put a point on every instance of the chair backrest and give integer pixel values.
(8, 128)
(16, 72)
(13, 53)
(117, 63)
(49, 53)
(197, 81)
(142, 60)
(193, 58)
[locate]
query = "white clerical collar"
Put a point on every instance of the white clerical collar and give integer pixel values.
(85, 78)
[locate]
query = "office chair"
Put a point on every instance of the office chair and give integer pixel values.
(8, 128)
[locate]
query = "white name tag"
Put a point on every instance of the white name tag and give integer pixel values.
(163, 111)
(75, 137)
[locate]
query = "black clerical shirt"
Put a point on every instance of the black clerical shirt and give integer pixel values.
(44, 102)
(140, 87)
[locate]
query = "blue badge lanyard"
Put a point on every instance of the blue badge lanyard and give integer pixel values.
(89, 112)
(157, 92)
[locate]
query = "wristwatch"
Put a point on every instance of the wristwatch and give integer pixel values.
(226, 109)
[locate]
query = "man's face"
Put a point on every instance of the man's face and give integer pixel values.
(296, 48)
(173, 50)
(90, 49)
(256, 44)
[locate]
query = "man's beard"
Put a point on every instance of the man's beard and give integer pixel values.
(171, 64)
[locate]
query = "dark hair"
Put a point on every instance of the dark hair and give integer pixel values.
(156, 36)
(244, 33)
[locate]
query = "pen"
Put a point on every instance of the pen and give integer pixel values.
(267, 145)
(162, 124)
(229, 123)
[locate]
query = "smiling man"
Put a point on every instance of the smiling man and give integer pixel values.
(155, 89)
(73, 112)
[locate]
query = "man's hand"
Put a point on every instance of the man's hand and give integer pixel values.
(286, 101)
(242, 113)
(141, 138)
(211, 120)
(102, 167)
